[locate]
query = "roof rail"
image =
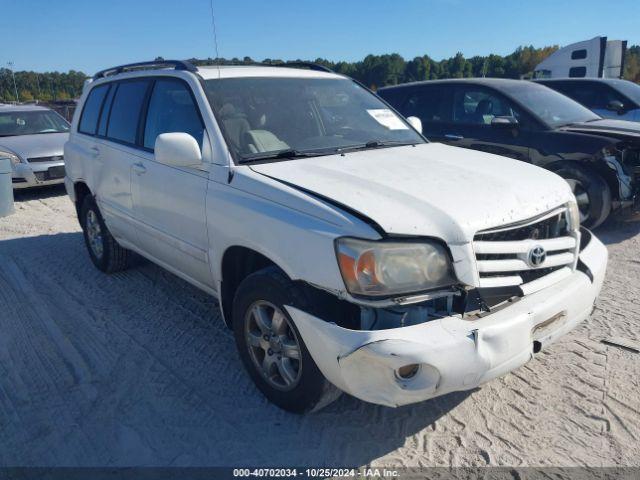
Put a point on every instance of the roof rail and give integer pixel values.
(309, 65)
(176, 64)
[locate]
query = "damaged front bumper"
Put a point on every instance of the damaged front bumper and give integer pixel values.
(452, 353)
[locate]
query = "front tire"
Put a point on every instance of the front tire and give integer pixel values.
(271, 347)
(105, 252)
(592, 194)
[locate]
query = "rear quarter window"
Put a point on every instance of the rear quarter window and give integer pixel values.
(91, 110)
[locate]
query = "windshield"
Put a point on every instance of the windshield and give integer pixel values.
(629, 89)
(297, 116)
(551, 107)
(31, 122)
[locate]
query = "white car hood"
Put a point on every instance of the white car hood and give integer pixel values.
(427, 190)
(39, 145)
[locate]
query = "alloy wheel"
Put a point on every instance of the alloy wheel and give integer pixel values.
(94, 234)
(273, 345)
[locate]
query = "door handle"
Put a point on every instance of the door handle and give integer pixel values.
(139, 168)
(451, 136)
(95, 151)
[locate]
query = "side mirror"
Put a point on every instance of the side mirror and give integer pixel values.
(416, 123)
(177, 149)
(615, 106)
(504, 122)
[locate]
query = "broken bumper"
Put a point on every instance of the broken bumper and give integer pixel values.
(453, 354)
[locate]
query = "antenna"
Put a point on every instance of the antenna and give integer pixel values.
(215, 37)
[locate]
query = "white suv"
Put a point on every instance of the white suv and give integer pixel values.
(347, 253)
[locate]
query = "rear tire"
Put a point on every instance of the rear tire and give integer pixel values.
(592, 194)
(271, 347)
(105, 252)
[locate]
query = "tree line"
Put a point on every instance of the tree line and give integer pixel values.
(374, 71)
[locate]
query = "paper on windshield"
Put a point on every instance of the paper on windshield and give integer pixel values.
(387, 118)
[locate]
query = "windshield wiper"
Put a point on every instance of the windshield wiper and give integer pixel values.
(288, 153)
(374, 144)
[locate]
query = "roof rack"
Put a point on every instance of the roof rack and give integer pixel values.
(309, 65)
(176, 64)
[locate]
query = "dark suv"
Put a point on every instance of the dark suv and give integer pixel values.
(530, 122)
(608, 97)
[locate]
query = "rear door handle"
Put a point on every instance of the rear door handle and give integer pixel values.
(451, 136)
(139, 168)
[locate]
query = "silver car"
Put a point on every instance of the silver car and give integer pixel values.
(33, 137)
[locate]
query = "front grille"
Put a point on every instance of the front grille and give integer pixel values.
(54, 158)
(504, 254)
(552, 227)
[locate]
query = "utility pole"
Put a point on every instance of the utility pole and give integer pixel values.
(38, 83)
(15, 88)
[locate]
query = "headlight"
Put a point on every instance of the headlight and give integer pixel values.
(574, 216)
(386, 268)
(11, 156)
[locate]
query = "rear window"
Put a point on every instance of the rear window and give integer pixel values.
(125, 110)
(91, 110)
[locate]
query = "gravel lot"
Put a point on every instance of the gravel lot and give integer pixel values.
(137, 368)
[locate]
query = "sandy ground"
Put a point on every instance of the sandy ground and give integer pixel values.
(137, 369)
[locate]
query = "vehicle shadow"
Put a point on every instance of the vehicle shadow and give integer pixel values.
(137, 368)
(38, 193)
(619, 228)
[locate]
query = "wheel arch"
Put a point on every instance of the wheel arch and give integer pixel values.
(596, 167)
(81, 190)
(238, 262)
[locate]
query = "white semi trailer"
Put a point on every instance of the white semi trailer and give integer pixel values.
(595, 58)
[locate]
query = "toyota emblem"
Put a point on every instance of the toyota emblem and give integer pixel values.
(537, 256)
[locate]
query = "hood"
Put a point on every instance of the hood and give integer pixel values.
(29, 146)
(607, 127)
(427, 190)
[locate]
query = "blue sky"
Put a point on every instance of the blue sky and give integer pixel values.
(89, 35)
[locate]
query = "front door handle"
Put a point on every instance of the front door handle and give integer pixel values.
(451, 136)
(139, 168)
(95, 151)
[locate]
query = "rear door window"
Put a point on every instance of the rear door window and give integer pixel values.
(429, 104)
(125, 110)
(91, 110)
(172, 109)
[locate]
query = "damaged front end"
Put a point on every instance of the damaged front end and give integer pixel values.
(395, 354)
(624, 160)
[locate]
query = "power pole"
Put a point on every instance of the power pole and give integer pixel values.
(15, 88)
(38, 83)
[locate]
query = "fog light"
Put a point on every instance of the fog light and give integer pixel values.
(408, 371)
